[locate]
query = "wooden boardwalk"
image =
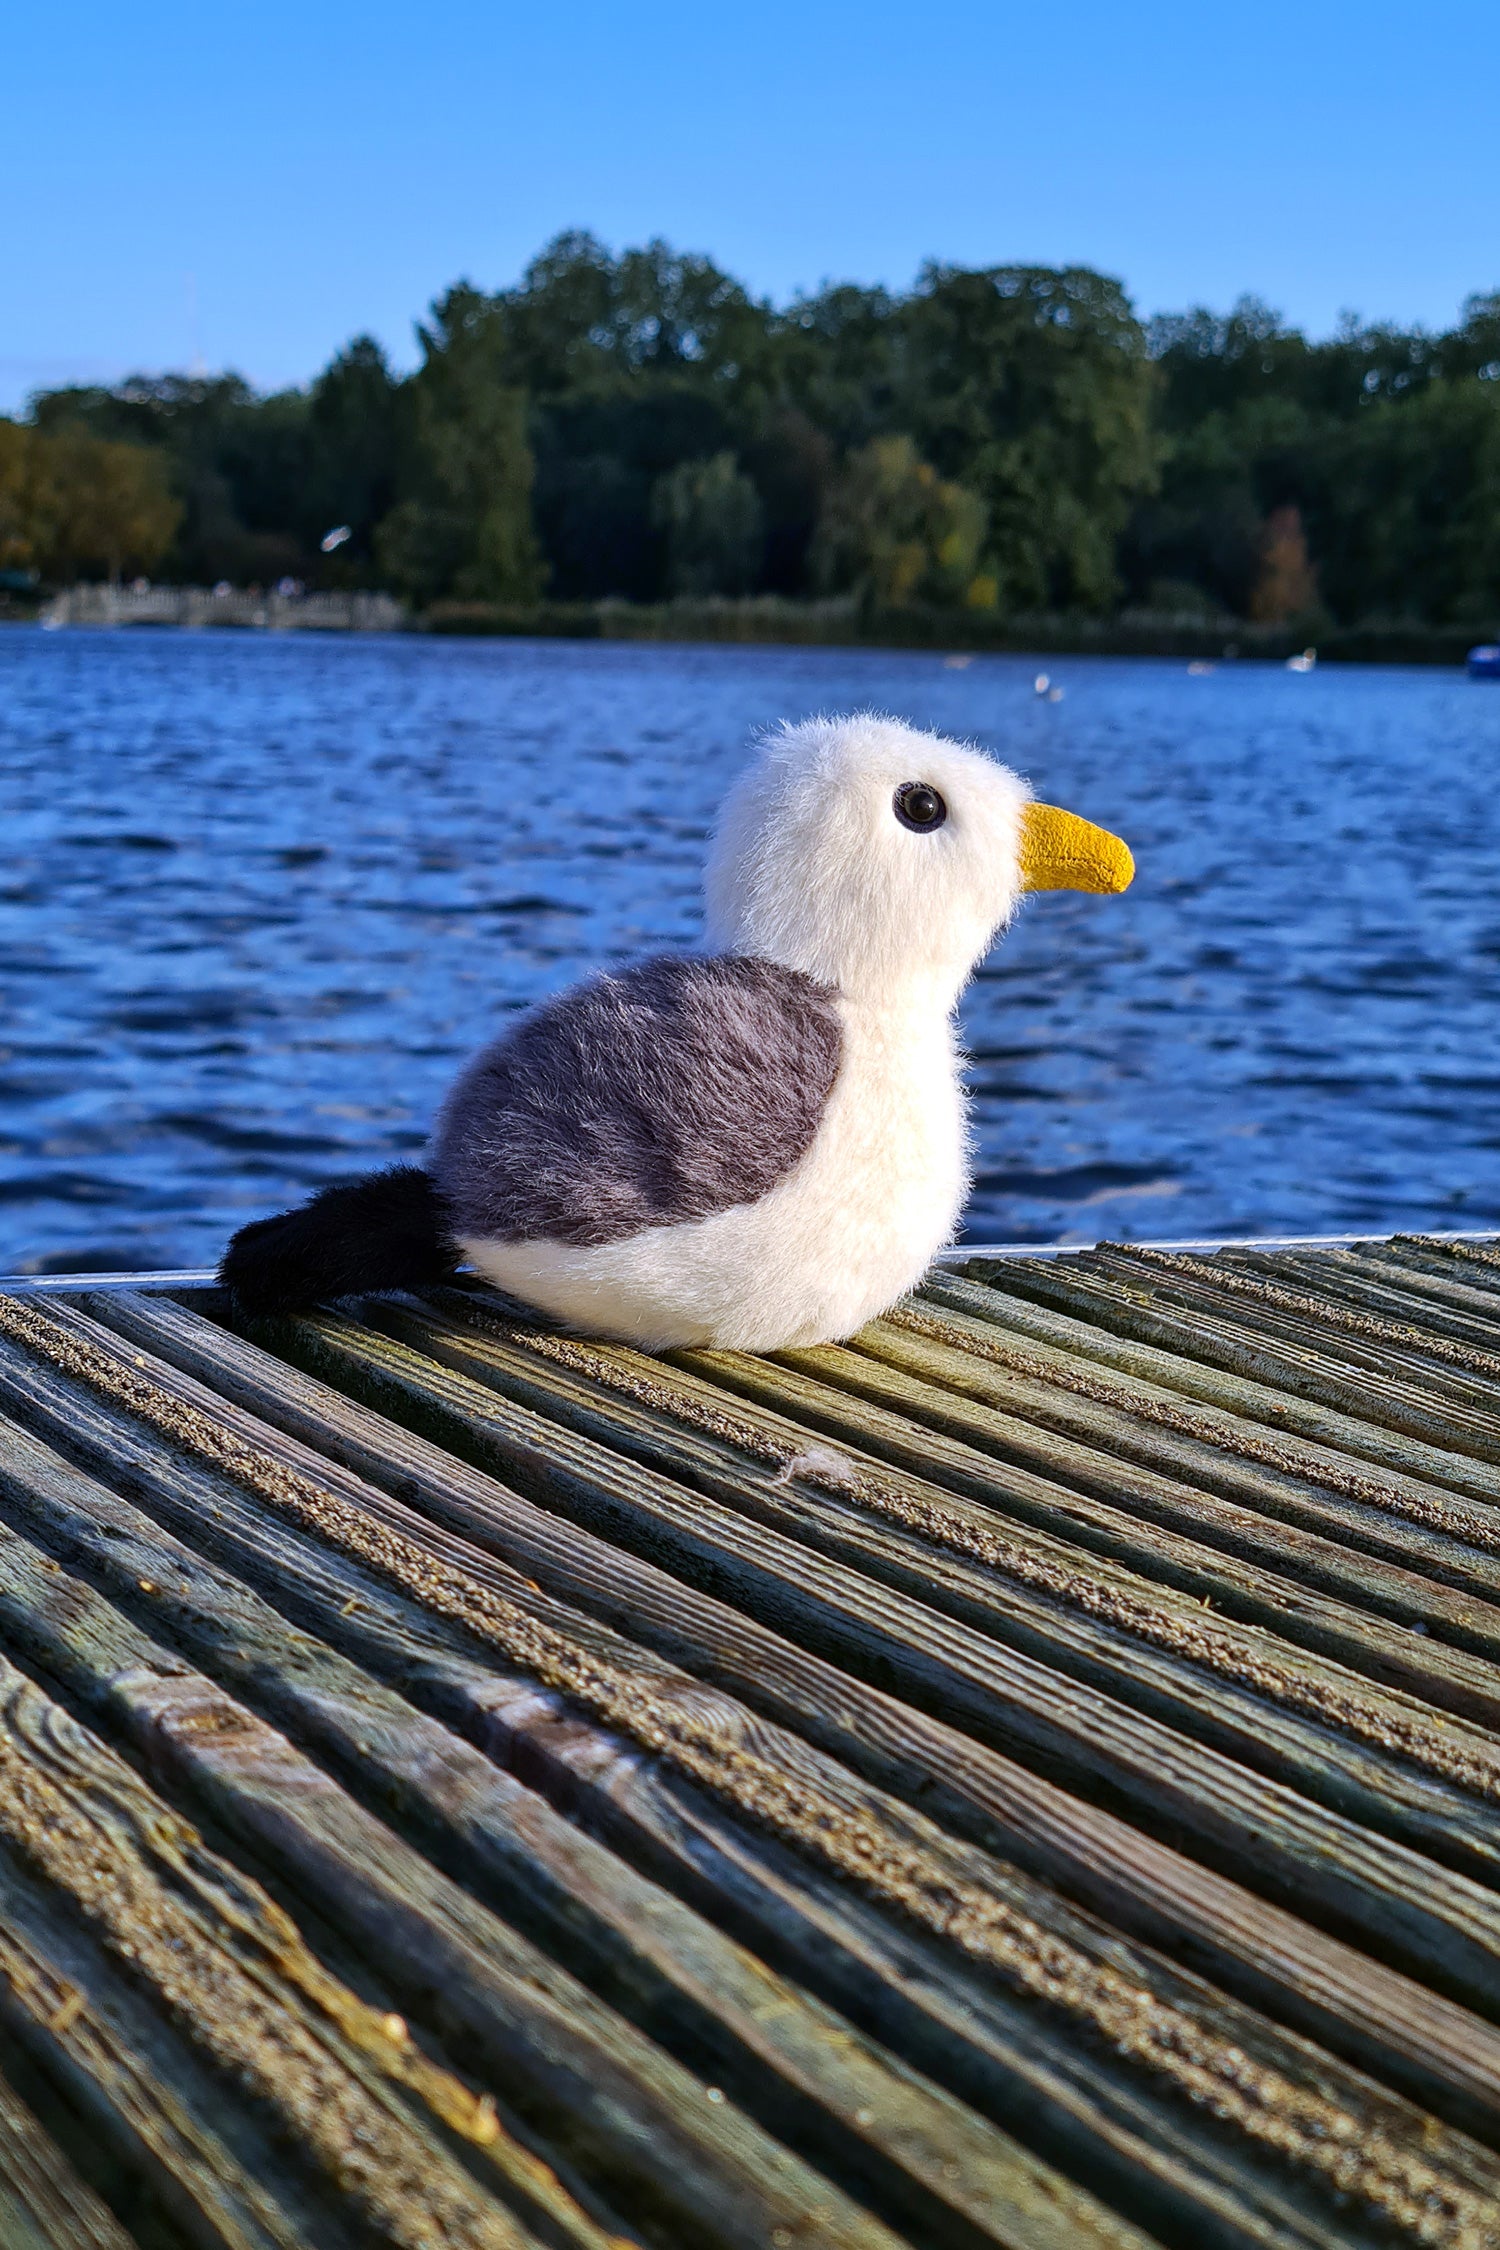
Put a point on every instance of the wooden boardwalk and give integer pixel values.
(1030, 1776)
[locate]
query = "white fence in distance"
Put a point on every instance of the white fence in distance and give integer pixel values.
(198, 606)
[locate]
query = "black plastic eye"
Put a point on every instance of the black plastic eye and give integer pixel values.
(918, 805)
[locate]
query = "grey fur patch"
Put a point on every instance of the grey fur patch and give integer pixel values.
(673, 1090)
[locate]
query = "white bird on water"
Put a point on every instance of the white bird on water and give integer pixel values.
(760, 1146)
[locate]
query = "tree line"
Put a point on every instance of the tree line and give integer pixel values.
(638, 426)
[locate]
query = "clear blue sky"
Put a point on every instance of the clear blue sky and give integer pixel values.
(255, 184)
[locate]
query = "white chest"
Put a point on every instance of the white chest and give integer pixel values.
(851, 1228)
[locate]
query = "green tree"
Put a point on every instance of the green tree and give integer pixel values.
(790, 460)
(581, 316)
(1474, 346)
(634, 363)
(1033, 388)
(1404, 512)
(715, 527)
(1220, 478)
(354, 435)
(599, 428)
(237, 465)
(601, 451)
(464, 527)
(893, 531)
(833, 358)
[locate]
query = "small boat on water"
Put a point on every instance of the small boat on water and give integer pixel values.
(1484, 662)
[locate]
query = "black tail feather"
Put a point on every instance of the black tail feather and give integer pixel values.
(388, 1231)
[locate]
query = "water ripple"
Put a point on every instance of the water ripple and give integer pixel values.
(260, 895)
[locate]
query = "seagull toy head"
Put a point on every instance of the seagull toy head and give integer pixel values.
(882, 861)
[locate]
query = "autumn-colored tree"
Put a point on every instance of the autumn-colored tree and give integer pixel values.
(72, 505)
(893, 531)
(1286, 585)
(15, 511)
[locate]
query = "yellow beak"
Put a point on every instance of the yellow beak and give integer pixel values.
(1060, 852)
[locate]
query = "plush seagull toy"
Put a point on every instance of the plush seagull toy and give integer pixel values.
(756, 1147)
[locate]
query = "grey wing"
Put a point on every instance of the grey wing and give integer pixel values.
(673, 1090)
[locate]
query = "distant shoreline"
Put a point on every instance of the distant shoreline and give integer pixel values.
(763, 621)
(769, 621)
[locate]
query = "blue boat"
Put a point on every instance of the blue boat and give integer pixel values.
(1484, 663)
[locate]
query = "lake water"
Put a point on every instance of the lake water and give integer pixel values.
(260, 895)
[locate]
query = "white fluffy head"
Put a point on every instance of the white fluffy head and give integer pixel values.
(811, 865)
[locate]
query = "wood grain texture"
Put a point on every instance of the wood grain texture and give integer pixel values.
(1370, 1510)
(1441, 1304)
(237, 1981)
(611, 2102)
(1136, 1337)
(1026, 1778)
(1246, 1692)
(1410, 1377)
(1229, 2206)
(804, 2069)
(135, 2089)
(1183, 1520)
(1430, 1917)
(1301, 1361)
(1471, 1267)
(1143, 1885)
(691, 1431)
(1171, 1395)
(44, 2204)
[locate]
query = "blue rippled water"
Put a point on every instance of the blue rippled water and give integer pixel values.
(260, 895)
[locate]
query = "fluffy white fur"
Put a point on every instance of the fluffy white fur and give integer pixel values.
(811, 868)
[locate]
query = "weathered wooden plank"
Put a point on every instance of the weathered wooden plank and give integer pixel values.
(1338, 1293)
(1139, 1883)
(1475, 1264)
(862, 1956)
(1439, 1305)
(1172, 2138)
(855, 1970)
(743, 1439)
(919, 1404)
(999, 1692)
(614, 2105)
(1330, 1521)
(1324, 1377)
(44, 2204)
(1396, 1367)
(1450, 1537)
(236, 1980)
(805, 2069)
(139, 2092)
(1429, 1311)
(1147, 1344)
(1273, 1705)
(378, 1600)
